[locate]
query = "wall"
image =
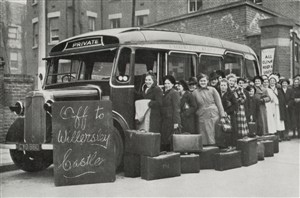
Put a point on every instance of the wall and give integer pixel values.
(13, 88)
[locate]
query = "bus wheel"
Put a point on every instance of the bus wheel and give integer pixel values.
(119, 148)
(32, 161)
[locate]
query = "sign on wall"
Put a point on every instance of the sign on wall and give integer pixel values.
(82, 142)
(267, 61)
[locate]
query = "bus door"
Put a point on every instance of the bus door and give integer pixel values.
(122, 87)
(182, 65)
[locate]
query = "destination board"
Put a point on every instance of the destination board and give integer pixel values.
(83, 150)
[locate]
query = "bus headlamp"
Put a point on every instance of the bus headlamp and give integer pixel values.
(18, 108)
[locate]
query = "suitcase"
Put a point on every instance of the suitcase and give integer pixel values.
(190, 163)
(260, 151)
(142, 143)
(207, 160)
(228, 160)
(248, 148)
(162, 166)
(269, 148)
(275, 140)
(132, 165)
(187, 143)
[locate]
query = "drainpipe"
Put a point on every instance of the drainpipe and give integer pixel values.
(133, 13)
(41, 46)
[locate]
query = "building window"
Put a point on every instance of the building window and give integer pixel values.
(258, 2)
(13, 32)
(115, 23)
(297, 52)
(54, 30)
(13, 60)
(194, 5)
(92, 22)
(142, 20)
(35, 34)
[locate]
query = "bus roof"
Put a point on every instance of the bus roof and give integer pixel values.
(93, 41)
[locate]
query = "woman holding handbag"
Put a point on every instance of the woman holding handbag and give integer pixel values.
(170, 113)
(230, 105)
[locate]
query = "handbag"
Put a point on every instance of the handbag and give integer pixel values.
(226, 126)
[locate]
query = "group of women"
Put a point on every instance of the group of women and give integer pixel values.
(203, 103)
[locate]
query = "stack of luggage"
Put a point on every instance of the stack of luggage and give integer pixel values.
(144, 158)
(189, 146)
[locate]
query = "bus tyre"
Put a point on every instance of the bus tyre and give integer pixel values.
(118, 148)
(32, 161)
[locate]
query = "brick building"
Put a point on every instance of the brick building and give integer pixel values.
(261, 24)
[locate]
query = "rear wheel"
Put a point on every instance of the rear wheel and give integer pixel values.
(32, 161)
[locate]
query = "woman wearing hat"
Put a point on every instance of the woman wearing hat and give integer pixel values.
(209, 110)
(277, 97)
(289, 105)
(170, 112)
(192, 84)
(187, 108)
(263, 97)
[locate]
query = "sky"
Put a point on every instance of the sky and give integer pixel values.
(18, 1)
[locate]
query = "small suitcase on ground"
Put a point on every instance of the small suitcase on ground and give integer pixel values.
(260, 151)
(248, 148)
(162, 166)
(142, 143)
(275, 140)
(132, 165)
(190, 163)
(207, 160)
(187, 143)
(228, 160)
(269, 148)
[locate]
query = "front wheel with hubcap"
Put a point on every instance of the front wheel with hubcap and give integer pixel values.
(32, 161)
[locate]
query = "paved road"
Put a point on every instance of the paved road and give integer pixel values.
(277, 176)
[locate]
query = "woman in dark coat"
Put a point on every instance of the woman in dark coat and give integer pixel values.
(170, 112)
(230, 106)
(252, 110)
(153, 92)
(187, 108)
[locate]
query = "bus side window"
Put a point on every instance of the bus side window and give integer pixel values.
(233, 63)
(123, 67)
(250, 66)
(182, 66)
(210, 63)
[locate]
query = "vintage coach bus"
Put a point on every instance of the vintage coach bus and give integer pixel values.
(110, 65)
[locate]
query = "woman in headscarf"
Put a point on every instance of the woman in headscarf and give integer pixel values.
(170, 112)
(187, 108)
(263, 97)
(209, 110)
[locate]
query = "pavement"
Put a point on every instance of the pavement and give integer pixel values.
(6, 163)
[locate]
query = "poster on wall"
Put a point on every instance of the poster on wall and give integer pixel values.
(267, 60)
